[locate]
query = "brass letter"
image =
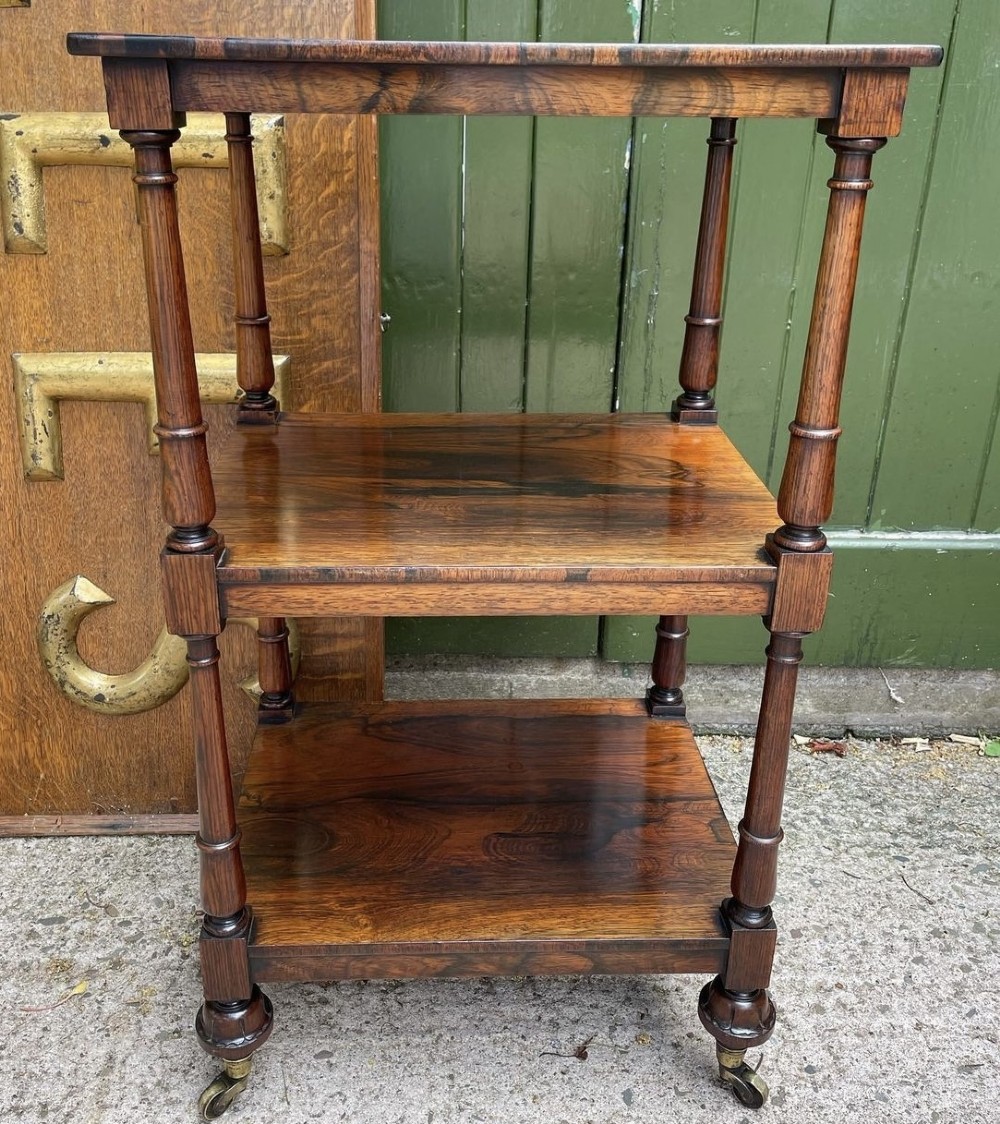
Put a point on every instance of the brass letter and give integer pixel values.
(41, 381)
(158, 678)
(32, 141)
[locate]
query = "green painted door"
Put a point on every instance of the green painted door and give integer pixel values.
(545, 265)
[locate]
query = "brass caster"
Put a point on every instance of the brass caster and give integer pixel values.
(218, 1096)
(749, 1088)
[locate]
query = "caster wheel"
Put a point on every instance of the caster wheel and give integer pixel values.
(218, 1096)
(749, 1088)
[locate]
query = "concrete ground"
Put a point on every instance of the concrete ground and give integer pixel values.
(889, 915)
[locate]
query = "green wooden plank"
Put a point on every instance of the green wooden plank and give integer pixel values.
(943, 406)
(579, 189)
(668, 176)
(490, 289)
(421, 184)
(578, 221)
(897, 607)
(894, 214)
(510, 637)
(987, 513)
(763, 284)
(496, 231)
(886, 609)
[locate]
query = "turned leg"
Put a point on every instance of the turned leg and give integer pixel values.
(275, 667)
(254, 360)
(703, 324)
(665, 699)
(735, 1008)
(236, 1017)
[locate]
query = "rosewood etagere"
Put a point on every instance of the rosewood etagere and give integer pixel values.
(469, 838)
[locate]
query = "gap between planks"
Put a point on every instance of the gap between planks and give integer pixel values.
(14, 827)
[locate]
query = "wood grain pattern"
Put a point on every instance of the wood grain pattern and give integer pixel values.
(801, 591)
(755, 872)
(415, 498)
(55, 756)
(320, 87)
(871, 104)
(503, 54)
(485, 958)
(186, 481)
(751, 956)
(222, 885)
(274, 663)
(556, 829)
(139, 95)
(294, 598)
(665, 698)
(190, 593)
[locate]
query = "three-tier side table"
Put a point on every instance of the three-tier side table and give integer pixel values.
(481, 837)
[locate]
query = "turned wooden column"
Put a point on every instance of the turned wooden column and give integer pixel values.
(755, 872)
(805, 498)
(236, 1017)
(665, 699)
(275, 666)
(700, 356)
(188, 496)
(254, 360)
(223, 886)
(255, 374)
(735, 1007)
(698, 374)
(189, 505)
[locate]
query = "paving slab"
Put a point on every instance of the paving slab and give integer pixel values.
(868, 702)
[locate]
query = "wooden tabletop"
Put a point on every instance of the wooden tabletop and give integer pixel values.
(504, 54)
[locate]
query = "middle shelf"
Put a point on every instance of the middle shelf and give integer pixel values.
(457, 514)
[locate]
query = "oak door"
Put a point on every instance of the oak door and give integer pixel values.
(93, 710)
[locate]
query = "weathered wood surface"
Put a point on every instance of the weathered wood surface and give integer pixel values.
(563, 831)
(17, 826)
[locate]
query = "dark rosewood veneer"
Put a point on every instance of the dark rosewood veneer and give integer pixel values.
(466, 838)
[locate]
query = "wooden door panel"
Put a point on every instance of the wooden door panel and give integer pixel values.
(64, 291)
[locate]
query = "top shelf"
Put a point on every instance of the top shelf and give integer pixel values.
(855, 90)
(379, 52)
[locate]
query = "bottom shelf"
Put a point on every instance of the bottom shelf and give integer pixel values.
(482, 838)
